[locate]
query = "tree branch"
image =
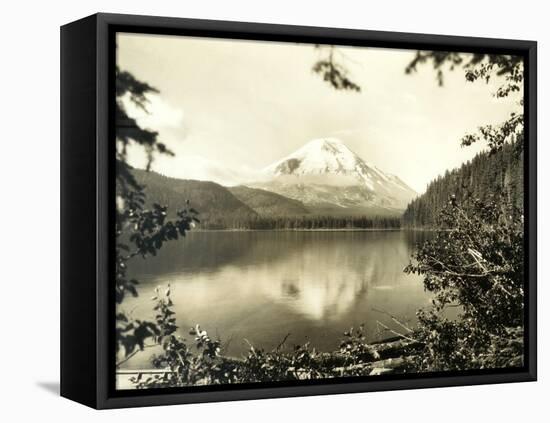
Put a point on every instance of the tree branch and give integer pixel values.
(129, 356)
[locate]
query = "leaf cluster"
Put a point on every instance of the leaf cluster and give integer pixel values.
(140, 231)
(507, 69)
(474, 265)
(334, 73)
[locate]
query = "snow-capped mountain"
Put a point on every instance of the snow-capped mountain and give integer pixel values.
(325, 172)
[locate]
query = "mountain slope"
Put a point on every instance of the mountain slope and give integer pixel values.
(267, 203)
(325, 172)
(213, 201)
(485, 176)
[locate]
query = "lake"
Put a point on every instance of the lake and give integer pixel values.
(262, 285)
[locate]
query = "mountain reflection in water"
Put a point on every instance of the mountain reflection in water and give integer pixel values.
(264, 285)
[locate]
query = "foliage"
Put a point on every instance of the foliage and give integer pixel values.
(476, 66)
(486, 175)
(202, 362)
(221, 209)
(140, 230)
(181, 362)
(213, 200)
(475, 263)
(128, 132)
(508, 70)
(496, 136)
(268, 203)
(357, 351)
(333, 72)
(308, 222)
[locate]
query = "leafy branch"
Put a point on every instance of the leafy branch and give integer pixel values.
(334, 73)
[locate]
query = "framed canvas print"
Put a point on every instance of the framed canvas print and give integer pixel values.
(256, 211)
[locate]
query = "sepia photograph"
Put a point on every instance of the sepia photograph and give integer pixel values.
(288, 212)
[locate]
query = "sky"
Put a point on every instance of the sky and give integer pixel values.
(229, 108)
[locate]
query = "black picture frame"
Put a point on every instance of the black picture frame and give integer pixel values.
(87, 181)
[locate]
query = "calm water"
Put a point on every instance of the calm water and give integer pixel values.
(263, 285)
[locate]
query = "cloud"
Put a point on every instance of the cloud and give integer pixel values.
(159, 113)
(200, 168)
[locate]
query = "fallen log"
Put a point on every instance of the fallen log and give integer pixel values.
(380, 351)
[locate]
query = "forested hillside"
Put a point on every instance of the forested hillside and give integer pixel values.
(267, 203)
(486, 175)
(312, 222)
(213, 201)
(245, 208)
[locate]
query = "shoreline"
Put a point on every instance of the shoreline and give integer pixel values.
(320, 230)
(301, 230)
(388, 356)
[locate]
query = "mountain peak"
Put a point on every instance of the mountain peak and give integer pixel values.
(325, 162)
(320, 142)
(318, 156)
(326, 144)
